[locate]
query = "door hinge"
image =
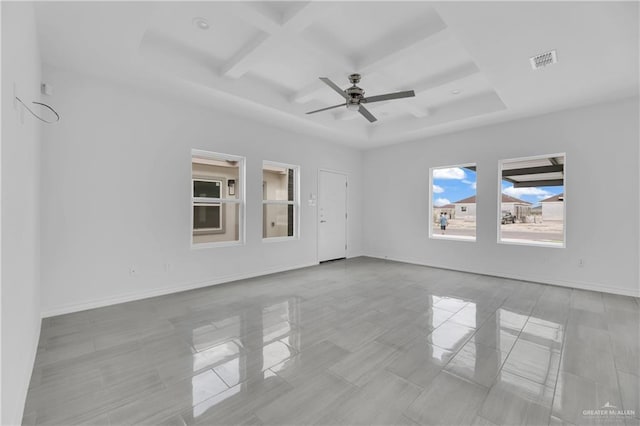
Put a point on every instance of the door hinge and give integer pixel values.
(345, 246)
(346, 184)
(345, 215)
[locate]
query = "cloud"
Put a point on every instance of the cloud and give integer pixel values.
(468, 182)
(519, 192)
(439, 202)
(450, 173)
(438, 189)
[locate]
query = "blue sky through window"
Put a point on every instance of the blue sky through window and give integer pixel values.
(456, 183)
(452, 184)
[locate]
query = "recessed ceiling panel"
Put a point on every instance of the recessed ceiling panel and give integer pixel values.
(227, 33)
(468, 62)
(279, 11)
(454, 91)
(430, 61)
(357, 26)
(290, 65)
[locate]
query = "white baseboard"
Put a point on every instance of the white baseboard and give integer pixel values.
(580, 285)
(129, 297)
(99, 303)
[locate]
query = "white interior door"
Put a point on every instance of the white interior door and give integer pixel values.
(332, 215)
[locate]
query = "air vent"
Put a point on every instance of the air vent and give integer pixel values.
(543, 59)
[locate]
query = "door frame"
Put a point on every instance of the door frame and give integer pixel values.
(346, 220)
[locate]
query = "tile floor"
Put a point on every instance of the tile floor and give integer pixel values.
(361, 341)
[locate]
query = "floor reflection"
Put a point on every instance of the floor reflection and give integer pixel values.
(504, 349)
(261, 337)
(358, 340)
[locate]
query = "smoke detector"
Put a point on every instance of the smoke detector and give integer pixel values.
(543, 59)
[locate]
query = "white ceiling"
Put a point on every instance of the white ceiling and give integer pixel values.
(263, 59)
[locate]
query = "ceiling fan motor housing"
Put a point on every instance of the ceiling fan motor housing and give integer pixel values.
(355, 93)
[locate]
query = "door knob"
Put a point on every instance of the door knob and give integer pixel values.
(322, 221)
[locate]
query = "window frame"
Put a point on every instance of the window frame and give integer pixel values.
(295, 203)
(434, 236)
(240, 199)
(533, 243)
(203, 202)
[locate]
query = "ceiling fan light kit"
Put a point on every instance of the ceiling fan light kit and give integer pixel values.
(353, 106)
(354, 97)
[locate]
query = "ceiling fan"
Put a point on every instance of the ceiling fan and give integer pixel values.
(354, 97)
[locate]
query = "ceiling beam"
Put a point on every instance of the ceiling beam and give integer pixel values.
(257, 16)
(533, 170)
(273, 34)
(426, 30)
(240, 62)
(536, 183)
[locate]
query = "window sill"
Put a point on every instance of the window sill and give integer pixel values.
(278, 239)
(216, 245)
(453, 237)
(531, 243)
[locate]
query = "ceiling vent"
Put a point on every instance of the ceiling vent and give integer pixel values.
(543, 59)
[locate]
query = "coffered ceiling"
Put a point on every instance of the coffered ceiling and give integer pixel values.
(468, 62)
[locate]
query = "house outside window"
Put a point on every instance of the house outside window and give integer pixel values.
(532, 208)
(207, 217)
(280, 201)
(452, 198)
(217, 198)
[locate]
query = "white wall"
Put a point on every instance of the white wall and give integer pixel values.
(601, 143)
(103, 165)
(20, 208)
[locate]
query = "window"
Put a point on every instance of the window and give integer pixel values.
(207, 217)
(217, 199)
(453, 202)
(532, 206)
(280, 197)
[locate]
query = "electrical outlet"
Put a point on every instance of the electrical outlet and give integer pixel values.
(132, 271)
(581, 263)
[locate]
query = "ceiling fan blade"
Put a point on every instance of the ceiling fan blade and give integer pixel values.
(389, 96)
(324, 109)
(365, 112)
(334, 87)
